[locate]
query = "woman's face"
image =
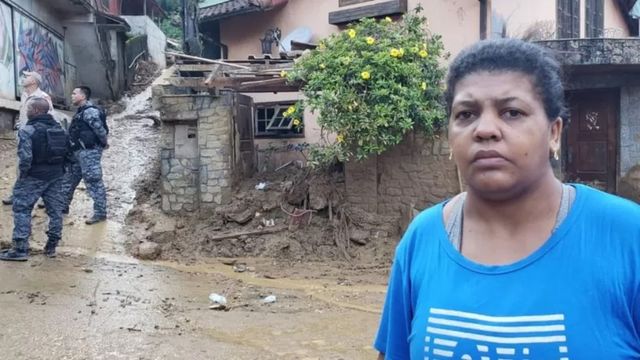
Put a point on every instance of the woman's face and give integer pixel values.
(499, 133)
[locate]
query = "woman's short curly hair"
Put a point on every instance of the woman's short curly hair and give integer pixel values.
(512, 55)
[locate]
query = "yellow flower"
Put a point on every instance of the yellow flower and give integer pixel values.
(283, 74)
(340, 138)
(352, 33)
(365, 75)
(322, 66)
(423, 53)
(394, 53)
(424, 46)
(423, 86)
(322, 45)
(388, 19)
(290, 110)
(296, 122)
(370, 40)
(401, 52)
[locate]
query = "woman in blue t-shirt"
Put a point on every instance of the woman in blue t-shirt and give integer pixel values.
(521, 266)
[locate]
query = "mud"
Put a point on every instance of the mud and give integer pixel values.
(96, 301)
(263, 223)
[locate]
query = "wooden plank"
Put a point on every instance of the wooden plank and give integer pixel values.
(351, 2)
(187, 82)
(247, 233)
(392, 7)
(205, 60)
(223, 82)
(198, 67)
(250, 84)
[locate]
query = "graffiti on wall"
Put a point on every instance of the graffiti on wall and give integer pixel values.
(7, 65)
(39, 50)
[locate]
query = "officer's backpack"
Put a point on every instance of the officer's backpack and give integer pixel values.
(51, 144)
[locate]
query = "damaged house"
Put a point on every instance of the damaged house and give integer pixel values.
(596, 40)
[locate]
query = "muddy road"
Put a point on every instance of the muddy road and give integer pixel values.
(95, 301)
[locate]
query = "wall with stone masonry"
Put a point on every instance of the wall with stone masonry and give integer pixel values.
(196, 149)
(418, 172)
(595, 51)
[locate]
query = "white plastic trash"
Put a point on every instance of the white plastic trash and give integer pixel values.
(269, 299)
(261, 186)
(218, 299)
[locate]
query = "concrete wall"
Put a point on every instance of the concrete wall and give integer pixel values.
(418, 172)
(629, 128)
(457, 21)
(92, 68)
(614, 24)
(44, 14)
(196, 150)
(81, 38)
(156, 39)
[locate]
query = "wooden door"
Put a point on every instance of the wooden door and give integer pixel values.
(243, 119)
(592, 141)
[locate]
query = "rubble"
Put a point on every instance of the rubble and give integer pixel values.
(242, 217)
(148, 251)
(360, 237)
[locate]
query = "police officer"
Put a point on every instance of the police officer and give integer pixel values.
(88, 135)
(31, 83)
(42, 149)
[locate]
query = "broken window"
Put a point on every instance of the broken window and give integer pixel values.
(271, 122)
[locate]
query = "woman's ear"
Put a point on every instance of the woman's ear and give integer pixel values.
(555, 134)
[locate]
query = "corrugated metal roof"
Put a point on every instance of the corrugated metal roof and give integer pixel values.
(228, 8)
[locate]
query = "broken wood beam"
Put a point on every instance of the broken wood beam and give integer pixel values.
(198, 67)
(264, 231)
(205, 60)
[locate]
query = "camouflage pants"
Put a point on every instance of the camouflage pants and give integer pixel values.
(26, 193)
(87, 166)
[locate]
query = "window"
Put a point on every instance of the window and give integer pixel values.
(568, 19)
(270, 122)
(594, 21)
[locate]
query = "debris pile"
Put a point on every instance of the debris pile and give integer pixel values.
(292, 213)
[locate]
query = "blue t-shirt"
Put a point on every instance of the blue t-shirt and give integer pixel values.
(576, 297)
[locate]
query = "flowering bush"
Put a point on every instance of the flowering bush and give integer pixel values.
(370, 85)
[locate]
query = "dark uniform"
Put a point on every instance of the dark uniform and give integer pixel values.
(42, 151)
(88, 137)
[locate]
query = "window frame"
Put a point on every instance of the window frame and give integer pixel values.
(594, 18)
(286, 132)
(567, 19)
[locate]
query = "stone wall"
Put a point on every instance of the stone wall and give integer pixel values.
(196, 150)
(417, 172)
(596, 51)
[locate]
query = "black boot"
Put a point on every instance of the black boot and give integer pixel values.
(96, 219)
(19, 251)
(50, 248)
